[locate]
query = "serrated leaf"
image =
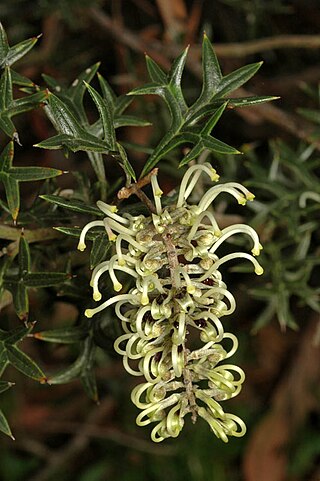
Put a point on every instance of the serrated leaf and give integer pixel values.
(73, 204)
(63, 335)
(236, 79)
(24, 363)
(100, 248)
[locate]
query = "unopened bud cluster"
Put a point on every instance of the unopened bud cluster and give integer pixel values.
(173, 335)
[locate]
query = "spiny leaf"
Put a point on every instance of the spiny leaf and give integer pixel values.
(10, 55)
(11, 176)
(236, 79)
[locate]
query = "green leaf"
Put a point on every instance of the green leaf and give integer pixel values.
(4, 426)
(106, 117)
(24, 257)
(19, 283)
(63, 335)
(81, 368)
(20, 50)
(45, 279)
(125, 164)
(130, 121)
(27, 174)
(73, 204)
(10, 55)
(155, 72)
(24, 364)
(9, 353)
(236, 79)
(4, 45)
(175, 77)
(62, 117)
(86, 142)
(100, 248)
(248, 101)
(11, 176)
(211, 74)
(12, 194)
(10, 107)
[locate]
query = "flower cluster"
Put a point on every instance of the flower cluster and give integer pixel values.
(173, 335)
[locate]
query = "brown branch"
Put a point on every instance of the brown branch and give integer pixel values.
(135, 189)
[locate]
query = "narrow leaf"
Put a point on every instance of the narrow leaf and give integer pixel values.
(63, 335)
(236, 79)
(26, 174)
(24, 257)
(45, 279)
(24, 364)
(216, 145)
(20, 50)
(4, 426)
(100, 248)
(4, 46)
(155, 72)
(127, 167)
(12, 194)
(211, 74)
(105, 115)
(73, 204)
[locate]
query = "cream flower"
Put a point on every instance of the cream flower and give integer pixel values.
(173, 335)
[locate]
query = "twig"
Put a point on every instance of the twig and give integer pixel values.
(76, 445)
(135, 188)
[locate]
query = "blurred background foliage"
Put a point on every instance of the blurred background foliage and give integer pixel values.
(61, 433)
